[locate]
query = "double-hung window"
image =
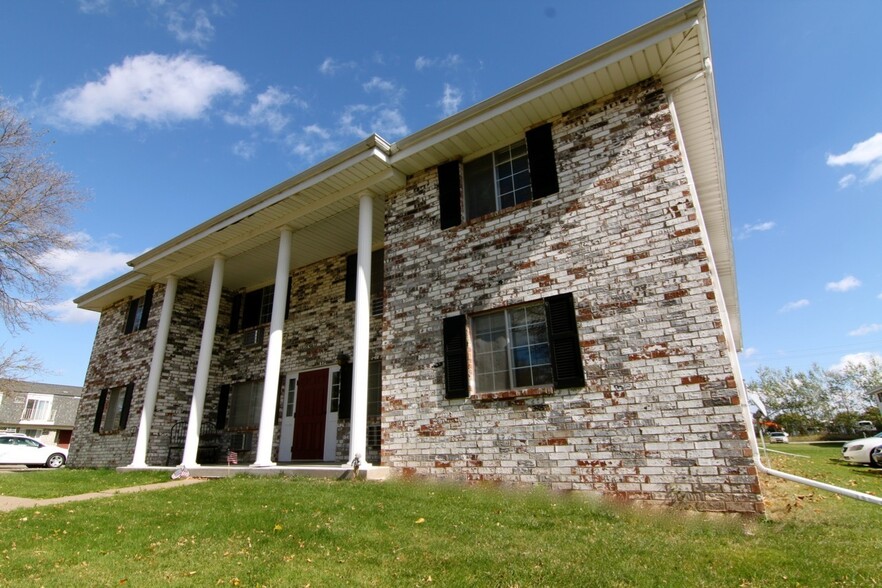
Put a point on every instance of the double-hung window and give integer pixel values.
(525, 170)
(511, 349)
(38, 408)
(113, 409)
(525, 346)
(245, 405)
(139, 312)
(255, 308)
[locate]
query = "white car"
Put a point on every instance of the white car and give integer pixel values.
(18, 449)
(779, 437)
(860, 450)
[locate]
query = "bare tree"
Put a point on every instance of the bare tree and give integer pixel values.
(36, 198)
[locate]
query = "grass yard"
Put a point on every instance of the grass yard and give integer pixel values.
(300, 532)
(39, 483)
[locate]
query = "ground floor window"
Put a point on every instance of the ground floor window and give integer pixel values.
(245, 403)
(113, 409)
(511, 349)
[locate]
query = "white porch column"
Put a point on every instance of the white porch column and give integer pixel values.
(361, 344)
(139, 459)
(274, 354)
(206, 347)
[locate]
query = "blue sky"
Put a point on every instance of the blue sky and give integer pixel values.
(168, 112)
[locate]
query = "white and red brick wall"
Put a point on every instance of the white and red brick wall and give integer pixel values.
(659, 419)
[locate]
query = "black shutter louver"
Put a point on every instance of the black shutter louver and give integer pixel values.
(130, 317)
(344, 411)
(288, 297)
(540, 153)
(563, 338)
(449, 194)
(223, 402)
(351, 269)
(456, 372)
(127, 405)
(99, 414)
(145, 312)
(235, 312)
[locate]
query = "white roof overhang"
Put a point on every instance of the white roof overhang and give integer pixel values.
(319, 204)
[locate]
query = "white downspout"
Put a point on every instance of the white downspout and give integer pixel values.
(730, 341)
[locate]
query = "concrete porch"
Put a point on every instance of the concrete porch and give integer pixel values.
(313, 470)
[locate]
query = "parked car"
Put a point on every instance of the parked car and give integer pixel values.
(16, 449)
(779, 437)
(860, 450)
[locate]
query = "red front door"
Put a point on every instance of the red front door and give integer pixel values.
(309, 415)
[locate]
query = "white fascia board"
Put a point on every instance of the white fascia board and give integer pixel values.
(122, 281)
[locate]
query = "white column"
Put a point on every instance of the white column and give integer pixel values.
(361, 344)
(139, 459)
(206, 347)
(274, 354)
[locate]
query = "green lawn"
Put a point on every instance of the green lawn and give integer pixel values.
(300, 532)
(39, 483)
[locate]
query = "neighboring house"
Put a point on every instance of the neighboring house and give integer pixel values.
(43, 411)
(538, 289)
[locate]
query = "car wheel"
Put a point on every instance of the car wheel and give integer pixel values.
(874, 459)
(56, 460)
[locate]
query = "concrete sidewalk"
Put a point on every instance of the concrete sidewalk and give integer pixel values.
(8, 503)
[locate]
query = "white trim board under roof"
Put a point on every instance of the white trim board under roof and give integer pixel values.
(674, 48)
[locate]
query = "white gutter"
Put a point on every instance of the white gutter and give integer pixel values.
(733, 353)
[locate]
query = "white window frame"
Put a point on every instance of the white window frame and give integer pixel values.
(536, 379)
(499, 157)
(37, 414)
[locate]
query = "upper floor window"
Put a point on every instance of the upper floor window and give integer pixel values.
(38, 408)
(254, 308)
(139, 312)
(497, 180)
(525, 170)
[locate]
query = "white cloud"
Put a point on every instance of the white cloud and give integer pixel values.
(267, 110)
(796, 305)
(88, 262)
(866, 330)
(331, 66)
(846, 181)
(450, 100)
(748, 352)
(189, 27)
(312, 143)
(761, 227)
(866, 154)
(452, 61)
(862, 358)
(149, 88)
(360, 120)
(67, 312)
(389, 122)
(393, 93)
(94, 6)
(245, 149)
(844, 285)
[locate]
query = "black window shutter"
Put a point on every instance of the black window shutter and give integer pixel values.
(377, 272)
(345, 409)
(222, 403)
(99, 414)
(145, 313)
(456, 372)
(130, 318)
(449, 194)
(235, 312)
(288, 297)
(351, 269)
(540, 153)
(563, 338)
(127, 405)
